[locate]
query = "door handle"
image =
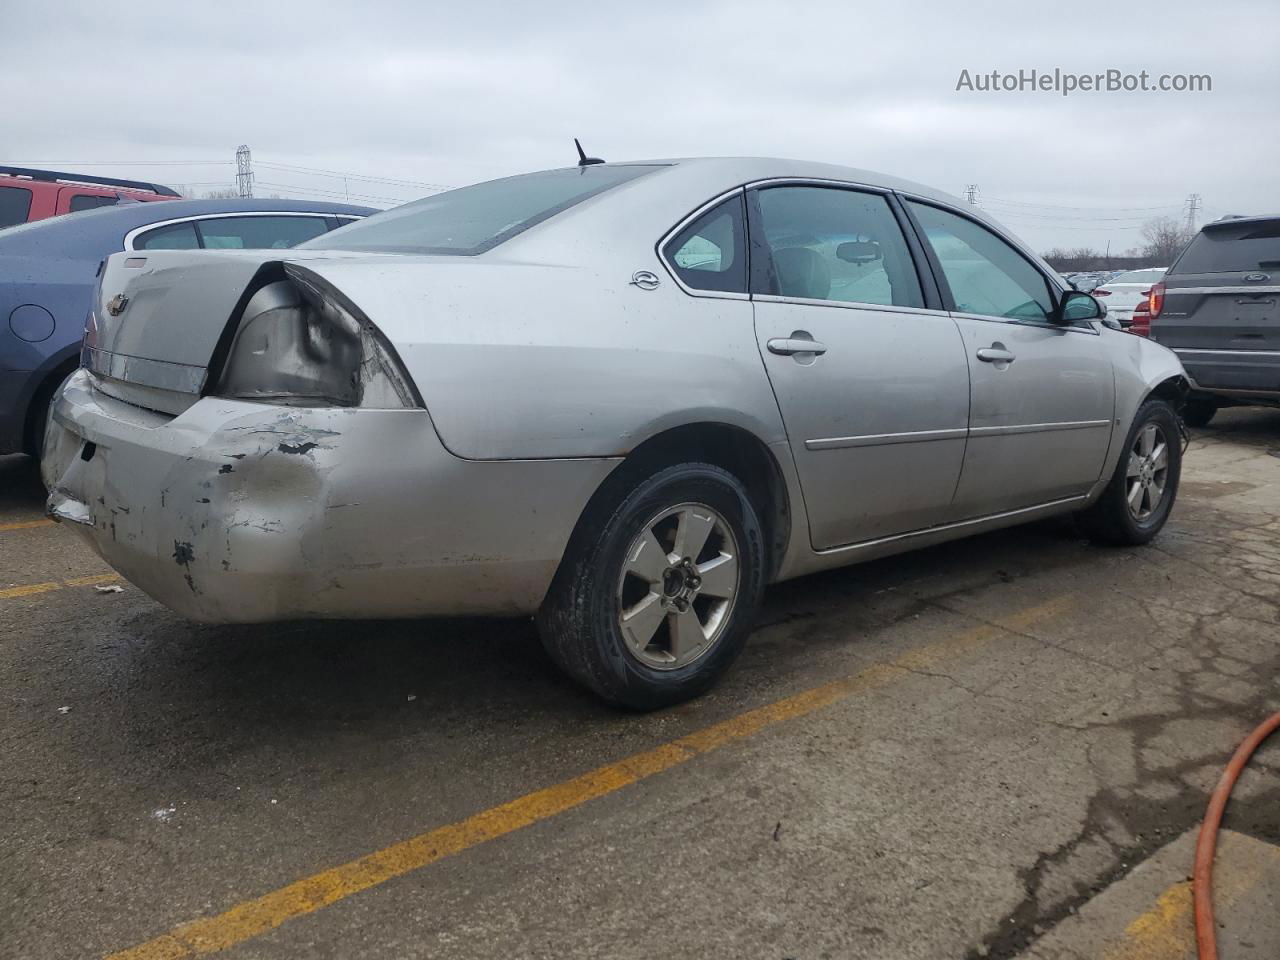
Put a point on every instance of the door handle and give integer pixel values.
(787, 346)
(995, 355)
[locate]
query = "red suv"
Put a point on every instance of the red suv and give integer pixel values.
(27, 195)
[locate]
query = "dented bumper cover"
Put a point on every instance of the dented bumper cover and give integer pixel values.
(247, 512)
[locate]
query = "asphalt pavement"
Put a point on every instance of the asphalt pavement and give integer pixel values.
(998, 747)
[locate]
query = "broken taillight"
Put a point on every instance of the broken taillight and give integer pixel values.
(301, 342)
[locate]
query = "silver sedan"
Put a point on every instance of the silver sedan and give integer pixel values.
(623, 397)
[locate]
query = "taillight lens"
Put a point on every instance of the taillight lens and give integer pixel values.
(1155, 299)
(302, 343)
(1101, 293)
(1141, 324)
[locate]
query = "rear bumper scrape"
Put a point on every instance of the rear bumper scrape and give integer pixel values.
(248, 512)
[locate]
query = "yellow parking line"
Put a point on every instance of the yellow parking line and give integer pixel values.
(1167, 930)
(1162, 933)
(31, 589)
(25, 525)
(28, 590)
(251, 918)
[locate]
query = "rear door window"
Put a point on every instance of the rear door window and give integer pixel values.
(90, 201)
(253, 233)
(15, 205)
(826, 243)
(1233, 247)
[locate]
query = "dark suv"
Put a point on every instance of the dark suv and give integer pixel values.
(1218, 308)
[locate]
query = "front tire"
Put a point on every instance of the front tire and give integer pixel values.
(1137, 501)
(655, 596)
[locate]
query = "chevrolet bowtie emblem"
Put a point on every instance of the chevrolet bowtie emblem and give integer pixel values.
(116, 305)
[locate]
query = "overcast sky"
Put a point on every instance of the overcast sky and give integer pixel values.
(452, 93)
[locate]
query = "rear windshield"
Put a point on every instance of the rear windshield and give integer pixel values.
(1252, 245)
(474, 219)
(1138, 276)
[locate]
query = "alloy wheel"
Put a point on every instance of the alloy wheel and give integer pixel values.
(678, 586)
(1147, 471)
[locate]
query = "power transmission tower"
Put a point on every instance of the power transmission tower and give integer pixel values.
(971, 194)
(1193, 208)
(244, 171)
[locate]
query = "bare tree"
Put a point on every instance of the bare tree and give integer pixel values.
(1163, 239)
(1081, 258)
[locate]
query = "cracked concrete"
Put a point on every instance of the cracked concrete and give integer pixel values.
(1027, 794)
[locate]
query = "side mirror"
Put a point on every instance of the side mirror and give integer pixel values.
(1076, 306)
(858, 251)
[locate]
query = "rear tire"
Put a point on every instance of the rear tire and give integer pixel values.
(657, 590)
(1198, 412)
(1137, 501)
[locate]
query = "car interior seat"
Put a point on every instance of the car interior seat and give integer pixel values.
(802, 272)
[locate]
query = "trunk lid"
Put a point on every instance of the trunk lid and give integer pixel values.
(158, 316)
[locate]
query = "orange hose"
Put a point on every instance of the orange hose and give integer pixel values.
(1202, 877)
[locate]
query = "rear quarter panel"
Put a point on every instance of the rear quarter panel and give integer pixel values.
(64, 289)
(518, 360)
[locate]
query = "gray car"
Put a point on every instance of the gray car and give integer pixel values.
(624, 397)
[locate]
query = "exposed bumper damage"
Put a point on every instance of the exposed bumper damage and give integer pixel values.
(243, 512)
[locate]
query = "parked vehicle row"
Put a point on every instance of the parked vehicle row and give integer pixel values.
(48, 270)
(624, 397)
(1125, 290)
(1089, 280)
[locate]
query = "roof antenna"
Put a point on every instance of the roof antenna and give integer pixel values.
(583, 159)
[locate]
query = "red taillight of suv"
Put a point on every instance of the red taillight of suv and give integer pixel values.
(1100, 293)
(1155, 299)
(1141, 321)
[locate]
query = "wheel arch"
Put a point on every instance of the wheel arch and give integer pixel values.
(1158, 373)
(57, 369)
(1173, 389)
(724, 445)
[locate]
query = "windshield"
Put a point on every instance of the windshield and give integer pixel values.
(474, 219)
(1251, 245)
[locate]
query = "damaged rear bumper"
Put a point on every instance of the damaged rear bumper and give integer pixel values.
(248, 512)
